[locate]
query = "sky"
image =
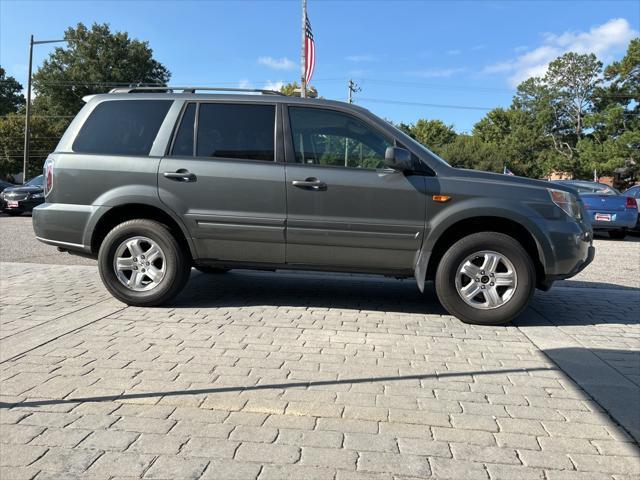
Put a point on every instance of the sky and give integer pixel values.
(448, 60)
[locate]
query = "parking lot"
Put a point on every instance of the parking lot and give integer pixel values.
(260, 375)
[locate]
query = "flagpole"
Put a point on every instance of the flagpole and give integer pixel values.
(303, 54)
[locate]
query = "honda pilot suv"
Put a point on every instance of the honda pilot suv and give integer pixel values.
(153, 182)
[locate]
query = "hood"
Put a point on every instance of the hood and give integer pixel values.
(511, 180)
(23, 189)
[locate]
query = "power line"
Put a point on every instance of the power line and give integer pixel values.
(420, 104)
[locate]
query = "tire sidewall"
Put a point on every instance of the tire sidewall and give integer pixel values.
(500, 243)
(174, 261)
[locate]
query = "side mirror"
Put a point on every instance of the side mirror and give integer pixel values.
(398, 158)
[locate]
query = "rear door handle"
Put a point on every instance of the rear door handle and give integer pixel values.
(310, 184)
(181, 175)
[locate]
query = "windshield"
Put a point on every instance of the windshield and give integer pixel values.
(35, 181)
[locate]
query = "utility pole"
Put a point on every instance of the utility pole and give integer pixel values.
(353, 88)
(303, 53)
(27, 116)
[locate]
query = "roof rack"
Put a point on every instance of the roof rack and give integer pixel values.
(168, 89)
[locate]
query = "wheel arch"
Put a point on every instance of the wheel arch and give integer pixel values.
(130, 211)
(442, 238)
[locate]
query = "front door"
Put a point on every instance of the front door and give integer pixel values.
(227, 183)
(345, 211)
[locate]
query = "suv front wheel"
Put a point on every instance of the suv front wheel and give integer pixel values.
(485, 278)
(142, 264)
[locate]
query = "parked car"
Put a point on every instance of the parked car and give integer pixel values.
(607, 209)
(4, 185)
(154, 183)
(635, 193)
(19, 199)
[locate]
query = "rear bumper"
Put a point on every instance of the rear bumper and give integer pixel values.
(63, 225)
(625, 219)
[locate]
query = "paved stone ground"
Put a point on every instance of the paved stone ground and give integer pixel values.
(257, 375)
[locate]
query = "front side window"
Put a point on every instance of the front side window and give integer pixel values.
(239, 131)
(326, 137)
(122, 127)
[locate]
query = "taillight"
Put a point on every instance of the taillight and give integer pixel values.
(631, 202)
(48, 176)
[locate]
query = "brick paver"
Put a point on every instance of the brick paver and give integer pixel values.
(259, 376)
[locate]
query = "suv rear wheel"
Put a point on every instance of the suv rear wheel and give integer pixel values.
(141, 263)
(485, 278)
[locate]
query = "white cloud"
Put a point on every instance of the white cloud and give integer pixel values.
(277, 63)
(435, 72)
(244, 83)
(454, 52)
(603, 40)
(273, 85)
(361, 58)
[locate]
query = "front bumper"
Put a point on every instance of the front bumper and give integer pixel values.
(569, 249)
(21, 206)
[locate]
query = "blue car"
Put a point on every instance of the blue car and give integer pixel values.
(607, 209)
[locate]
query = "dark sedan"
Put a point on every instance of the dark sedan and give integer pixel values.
(4, 185)
(20, 199)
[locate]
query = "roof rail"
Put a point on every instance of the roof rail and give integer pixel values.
(169, 89)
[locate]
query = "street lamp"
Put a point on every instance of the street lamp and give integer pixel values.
(27, 119)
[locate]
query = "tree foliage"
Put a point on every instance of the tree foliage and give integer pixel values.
(575, 119)
(93, 61)
(11, 97)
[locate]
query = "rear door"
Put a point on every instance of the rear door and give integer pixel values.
(225, 177)
(345, 211)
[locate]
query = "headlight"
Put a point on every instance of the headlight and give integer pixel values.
(566, 201)
(37, 195)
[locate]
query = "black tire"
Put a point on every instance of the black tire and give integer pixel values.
(11, 213)
(500, 243)
(177, 268)
(211, 270)
(617, 234)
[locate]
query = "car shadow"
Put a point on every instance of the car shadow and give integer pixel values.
(240, 288)
(610, 376)
(599, 285)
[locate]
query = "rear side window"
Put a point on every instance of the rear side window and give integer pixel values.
(236, 131)
(122, 127)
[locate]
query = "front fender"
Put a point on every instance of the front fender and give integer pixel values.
(443, 217)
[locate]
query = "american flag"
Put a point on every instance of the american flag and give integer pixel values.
(309, 51)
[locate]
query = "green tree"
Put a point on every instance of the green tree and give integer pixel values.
(11, 97)
(559, 105)
(468, 151)
(92, 62)
(518, 136)
(45, 134)
(433, 134)
(292, 89)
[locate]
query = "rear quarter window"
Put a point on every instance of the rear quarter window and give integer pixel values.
(122, 127)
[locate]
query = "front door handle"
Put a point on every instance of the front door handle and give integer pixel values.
(181, 175)
(310, 183)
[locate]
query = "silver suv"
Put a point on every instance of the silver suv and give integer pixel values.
(154, 182)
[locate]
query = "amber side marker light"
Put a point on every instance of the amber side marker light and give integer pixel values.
(441, 198)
